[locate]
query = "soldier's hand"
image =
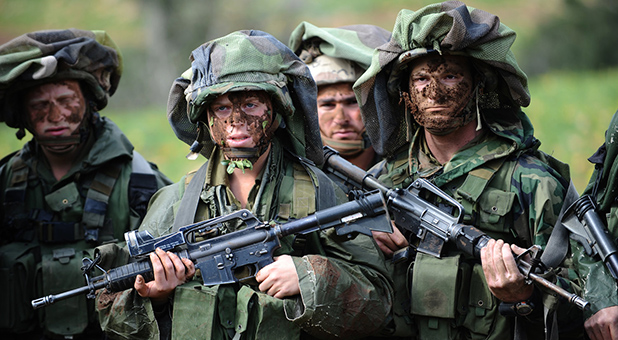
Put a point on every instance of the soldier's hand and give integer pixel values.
(169, 272)
(279, 279)
(504, 279)
(603, 325)
(390, 243)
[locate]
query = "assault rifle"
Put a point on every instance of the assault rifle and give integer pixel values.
(431, 226)
(587, 228)
(231, 257)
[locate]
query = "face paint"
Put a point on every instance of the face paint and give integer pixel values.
(440, 89)
(240, 121)
(55, 109)
(55, 113)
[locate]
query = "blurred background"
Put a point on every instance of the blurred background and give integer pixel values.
(568, 48)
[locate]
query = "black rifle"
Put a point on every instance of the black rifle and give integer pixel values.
(433, 227)
(231, 257)
(589, 230)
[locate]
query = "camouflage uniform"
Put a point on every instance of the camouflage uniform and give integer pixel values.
(509, 189)
(344, 292)
(599, 287)
(45, 222)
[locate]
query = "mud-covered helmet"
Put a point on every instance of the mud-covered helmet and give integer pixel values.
(241, 61)
(450, 27)
(32, 59)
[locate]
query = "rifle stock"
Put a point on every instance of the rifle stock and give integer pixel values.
(432, 226)
(232, 257)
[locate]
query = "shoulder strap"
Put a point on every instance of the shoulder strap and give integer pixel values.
(14, 198)
(325, 192)
(142, 185)
(190, 199)
(16, 192)
(476, 181)
(558, 244)
(7, 158)
(97, 199)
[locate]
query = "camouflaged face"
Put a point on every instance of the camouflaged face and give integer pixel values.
(248, 60)
(91, 57)
(449, 27)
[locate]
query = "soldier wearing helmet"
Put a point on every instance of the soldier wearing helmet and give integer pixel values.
(248, 105)
(77, 184)
(599, 286)
(442, 101)
(336, 58)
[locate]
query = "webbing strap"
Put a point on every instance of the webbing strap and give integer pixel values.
(15, 194)
(325, 192)
(558, 244)
(97, 200)
(190, 199)
(477, 180)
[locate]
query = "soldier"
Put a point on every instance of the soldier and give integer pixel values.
(253, 102)
(442, 101)
(77, 184)
(599, 287)
(336, 58)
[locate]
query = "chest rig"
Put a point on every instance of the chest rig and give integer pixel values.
(65, 218)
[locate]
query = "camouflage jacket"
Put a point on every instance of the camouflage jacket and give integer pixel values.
(344, 291)
(599, 286)
(510, 192)
(43, 233)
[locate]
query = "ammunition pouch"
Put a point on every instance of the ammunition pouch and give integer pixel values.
(251, 315)
(61, 271)
(447, 293)
(18, 271)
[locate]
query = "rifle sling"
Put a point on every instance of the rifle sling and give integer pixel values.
(558, 244)
(190, 199)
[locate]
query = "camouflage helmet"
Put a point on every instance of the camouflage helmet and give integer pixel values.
(241, 61)
(90, 57)
(450, 27)
(336, 55)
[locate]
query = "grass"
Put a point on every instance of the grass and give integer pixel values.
(570, 112)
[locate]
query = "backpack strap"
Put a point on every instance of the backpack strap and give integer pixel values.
(477, 179)
(325, 196)
(142, 185)
(15, 194)
(190, 199)
(14, 198)
(97, 199)
(311, 185)
(474, 185)
(558, 244)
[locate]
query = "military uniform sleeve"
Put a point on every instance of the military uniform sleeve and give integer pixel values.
(599, 288)
(541, 192)
(126, 315)
(347, 293)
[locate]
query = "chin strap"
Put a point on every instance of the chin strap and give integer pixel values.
(59, 145)
(346, 147)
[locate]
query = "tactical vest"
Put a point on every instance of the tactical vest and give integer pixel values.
(458, 294)
(36, 264)
(311, 190)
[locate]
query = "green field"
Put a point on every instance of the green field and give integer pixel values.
(570, 112)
